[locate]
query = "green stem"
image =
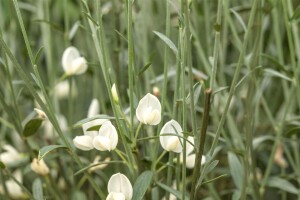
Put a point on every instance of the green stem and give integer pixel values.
(130, 62)
(199, 153)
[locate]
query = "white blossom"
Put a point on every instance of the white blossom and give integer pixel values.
(149, 110)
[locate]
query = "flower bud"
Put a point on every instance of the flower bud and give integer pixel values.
(40, 113)
(39, 167)
(114, 93)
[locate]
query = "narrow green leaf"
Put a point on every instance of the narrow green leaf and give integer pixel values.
(47, 149)
(2, 165)
(167, 41)
(214, 179)
(74, 29)
(258, 140)
(144, 69)
(83, 121)
(277, 74)
(37, 189)
(141, 185)
(235, 169)
(94, 128)
(176, 193)
(206, 170)
(197, 91)
(296, 14)
(32, 126)
(282, 184)
(38, 54)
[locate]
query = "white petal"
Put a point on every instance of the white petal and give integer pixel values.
(189, 147)
(79, 66)
(102, 143)
(115, 196)
(171, 127)
(70, 54)
(11, 155)
(94, 108)
(119, 183)
(145, 107)
(39, 167)
(62, 89)
(190, 161)
(173, 144)
(83, 142)
(153, 118)
(108, 130)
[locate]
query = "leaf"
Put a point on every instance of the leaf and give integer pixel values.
(258, 140)
(282, 184)
(2, 165)
(292, 131)
(94, 128)
(37, 189)
(141, 185)
(206, 170)
(74, 30)
(47, 149)
(197, 90)
(277, 74)
(239, 18)
(144, 69)
(32, 126)
(214, 179)
(167, 41)
(176, 193)
(83, 121)
(235, 169)
(296, 14)
(38, 54)
(277, 64)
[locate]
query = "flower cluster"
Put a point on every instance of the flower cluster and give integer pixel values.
(148, 112)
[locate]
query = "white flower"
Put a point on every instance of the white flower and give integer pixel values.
(94, 108)
(84, 142)
(149, 110)
(107, 139)
(190, 157)
(41, 113)
(10, 155)
(114, 93)
(62, 89)
(13, 189)
(119, 188)
(72, 63)
(171, 142)
(39, 167)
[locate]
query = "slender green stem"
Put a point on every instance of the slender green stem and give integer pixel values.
(130, 62)
(216, 46)
(199, 153)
